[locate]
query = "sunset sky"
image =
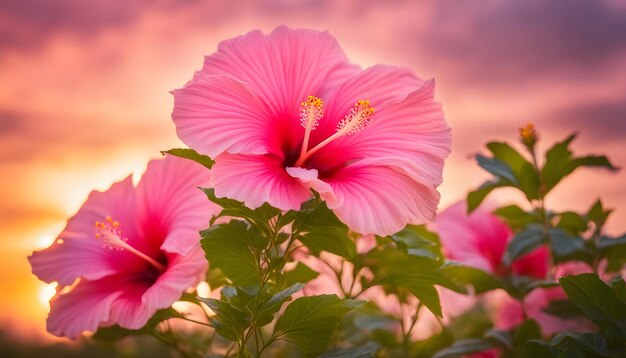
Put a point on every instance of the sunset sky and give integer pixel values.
(84, 94)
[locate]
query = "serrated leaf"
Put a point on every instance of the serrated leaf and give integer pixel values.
(525, 174)
(300, 273)
(229, 247)
(516, 217)
(589, 342)
(597, 300)
(229, 321)
(309, 322)
(526, 241)
(418, 241)
(364, 351)
(476, 197)
(321, 230)
(566, 247)
(464, 347)
(561, 163)
(572, 223)
(527, 330)
(562, 308)
(465, 275)
(192, 155)
(614, 250)
(234, 208)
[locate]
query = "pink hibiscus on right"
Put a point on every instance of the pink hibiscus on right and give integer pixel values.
(480, 240)
(287, 112)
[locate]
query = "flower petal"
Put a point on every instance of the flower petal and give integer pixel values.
(128, 310)
(84, 308)
(217, 113)
(379, 84)
(380, 196)
(257, 179)
(77, 252)
(283, 68)
(477, 240)
(182, 273)
(413, 129)
(171, 208)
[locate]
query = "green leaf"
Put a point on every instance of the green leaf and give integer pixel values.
(525, 241)
(191, 154)
(418, 241)
(476, 197)
(229, 247)
(234, 208)
(560, 163)
(464, 347)
(527, 330)
(501, 338)
(566, 247)
(497, 168)
(369, 349)
(269, 306)
(309, 322)
(230, 321)
(516, 217)
(525, 174)
(540, 349)
(420, 286)
(588, 342)
(428, 347)
(466, 275)
(300, 273)
(614, 250)
(572, 223)
(600, 302)
(322, 231)
(562, 308)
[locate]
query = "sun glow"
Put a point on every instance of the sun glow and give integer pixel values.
(46, 292)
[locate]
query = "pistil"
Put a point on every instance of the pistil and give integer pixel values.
(111, 236)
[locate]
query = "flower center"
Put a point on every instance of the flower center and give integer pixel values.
(111, 236)
(359, 117)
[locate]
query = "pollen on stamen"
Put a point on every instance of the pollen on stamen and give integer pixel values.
(109, 233)
(359, 117)
(311, 113)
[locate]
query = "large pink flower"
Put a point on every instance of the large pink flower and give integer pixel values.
(480, 239)
(287, 112)
(135, 250)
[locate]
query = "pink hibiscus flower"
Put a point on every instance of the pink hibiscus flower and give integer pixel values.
(480, 240)
(287, 112)
(510, 312)
(134, 249)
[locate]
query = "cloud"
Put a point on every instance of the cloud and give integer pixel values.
(504, 42)
(603, 121)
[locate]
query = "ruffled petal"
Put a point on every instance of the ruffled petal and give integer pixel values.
(257, 179)
(77, 252)
(86, 307)
(217, 113)
(381, 196)
(182, 272)
(379, 84)
(171, 208)
(283, 68)
(128, 310)
(413, 129)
